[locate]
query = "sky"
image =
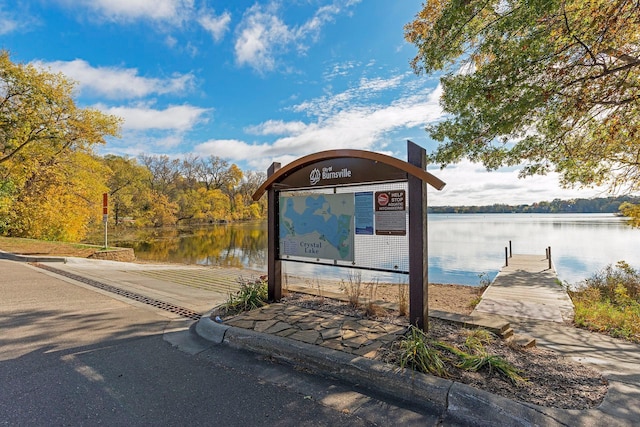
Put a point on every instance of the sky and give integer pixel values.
(254, 82)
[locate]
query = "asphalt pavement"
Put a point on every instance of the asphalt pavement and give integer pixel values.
(71, 355)
(435, 399)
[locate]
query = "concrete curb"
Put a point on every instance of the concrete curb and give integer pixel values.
(457, 404)
(210, 330)
(27, 258)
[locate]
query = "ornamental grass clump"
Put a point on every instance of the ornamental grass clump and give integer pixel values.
(479, 359)
(421, 353)
(252, 295)
(418, 353)
(609, 302)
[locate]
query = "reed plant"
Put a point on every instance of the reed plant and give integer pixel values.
(403, 298)
(371, 308)
(353, 288)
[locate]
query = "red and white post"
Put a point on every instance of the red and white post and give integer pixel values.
(105, 215)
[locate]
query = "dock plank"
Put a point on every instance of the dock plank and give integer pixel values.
(527, 288)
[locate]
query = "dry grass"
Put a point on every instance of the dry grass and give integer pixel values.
(38, 247)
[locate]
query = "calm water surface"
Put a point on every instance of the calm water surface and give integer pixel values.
(461, 247)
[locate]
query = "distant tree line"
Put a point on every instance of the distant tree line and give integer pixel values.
(156, 190)
(595, 205)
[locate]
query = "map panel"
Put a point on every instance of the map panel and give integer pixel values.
(317, 226)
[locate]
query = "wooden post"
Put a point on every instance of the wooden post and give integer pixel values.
(510, 252)
(274, 267)
(549, 256)
(418, 254)
(506, 257)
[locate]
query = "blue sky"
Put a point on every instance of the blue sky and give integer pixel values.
(253, 81)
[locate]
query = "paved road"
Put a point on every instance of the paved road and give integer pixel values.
(74, 356)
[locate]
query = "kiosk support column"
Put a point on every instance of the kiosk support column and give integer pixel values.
(418, 254)
(274, 278)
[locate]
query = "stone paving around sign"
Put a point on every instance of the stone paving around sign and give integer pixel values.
(360, 337)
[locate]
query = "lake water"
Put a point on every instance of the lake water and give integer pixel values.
(462, 247)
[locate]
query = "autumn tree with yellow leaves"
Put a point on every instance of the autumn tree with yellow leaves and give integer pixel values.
(50, 180)
(553, 85)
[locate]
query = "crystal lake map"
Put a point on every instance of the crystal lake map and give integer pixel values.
(317, 226)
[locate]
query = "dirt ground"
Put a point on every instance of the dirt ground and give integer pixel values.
(445, 297)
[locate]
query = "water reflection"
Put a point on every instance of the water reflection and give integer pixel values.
(236, 245)
(581, 244)
(461, 247)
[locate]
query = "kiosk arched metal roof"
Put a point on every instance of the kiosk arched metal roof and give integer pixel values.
(373, 162)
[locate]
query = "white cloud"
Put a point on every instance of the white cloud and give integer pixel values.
(277, 127)
(7, 24)
(217, 26)
(174, 11)
(170, 41)
(339, 70)
(379, 84)
(365, 94)
(340, 122)
(15, 17)
(262, 36)
(471, 184)
(180, 118)
(231, 149)
(118, 83)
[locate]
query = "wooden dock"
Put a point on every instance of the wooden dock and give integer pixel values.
(527, 288)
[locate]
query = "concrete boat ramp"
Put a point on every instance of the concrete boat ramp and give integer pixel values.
(528, 287)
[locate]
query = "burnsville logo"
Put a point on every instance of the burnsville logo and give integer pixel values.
(314, 176)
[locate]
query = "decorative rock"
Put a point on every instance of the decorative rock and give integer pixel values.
(329, 334)
(310, 337)
(279, 327)
(241, 323)
(262, 326)
(356, 342)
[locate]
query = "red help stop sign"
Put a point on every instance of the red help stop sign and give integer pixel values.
(383, 199)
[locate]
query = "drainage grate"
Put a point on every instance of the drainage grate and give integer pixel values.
(181, 311)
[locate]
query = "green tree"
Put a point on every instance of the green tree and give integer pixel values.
(157, 210)
(50, 180)
(250, 183)
(212, 172)
(553, 85)
(165, 173)
(128, 184)
(61, 201)
(632, 211)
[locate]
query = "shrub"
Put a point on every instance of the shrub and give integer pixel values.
(609, 302)
(252, 294)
